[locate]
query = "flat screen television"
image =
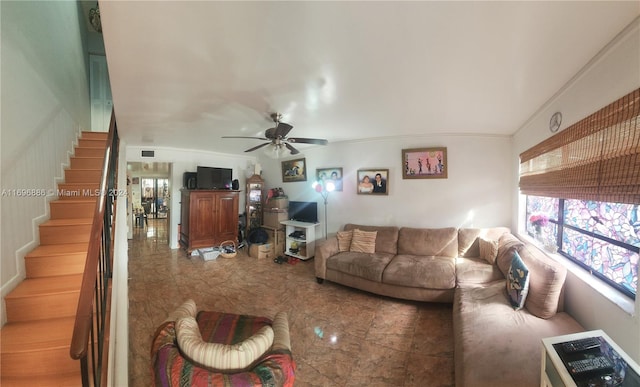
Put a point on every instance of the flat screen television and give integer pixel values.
(213, 178)
(303, 211)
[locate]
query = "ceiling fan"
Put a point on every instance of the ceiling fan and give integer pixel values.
(277, 136)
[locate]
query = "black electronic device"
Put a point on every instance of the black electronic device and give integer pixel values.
(213, 178)
(189, 180)
(581, 345)
(599, 365)
(303, 211)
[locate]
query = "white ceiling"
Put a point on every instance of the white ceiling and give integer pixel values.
(185, 73)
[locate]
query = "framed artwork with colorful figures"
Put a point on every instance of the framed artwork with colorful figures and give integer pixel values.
(424, 163)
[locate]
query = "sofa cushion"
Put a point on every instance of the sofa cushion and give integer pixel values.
(368, 266)
(545, 285)
(517, 282)
(386, 239)
(507, 244)
(474, 271)
(363, 241)
(496, 346)
(421, 272)
(344, 240)
(488, 249)
(440, 242)
(468, 243)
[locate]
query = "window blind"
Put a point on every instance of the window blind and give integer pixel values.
(597, 158)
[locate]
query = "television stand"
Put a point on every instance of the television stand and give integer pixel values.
(300, 239)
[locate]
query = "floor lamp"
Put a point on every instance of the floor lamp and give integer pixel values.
(324, 189)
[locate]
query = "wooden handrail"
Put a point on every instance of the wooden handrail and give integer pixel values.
(90, 322)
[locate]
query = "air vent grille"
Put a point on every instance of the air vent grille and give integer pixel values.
(148, 153)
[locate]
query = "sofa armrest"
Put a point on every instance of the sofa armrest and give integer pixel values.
(324, 250)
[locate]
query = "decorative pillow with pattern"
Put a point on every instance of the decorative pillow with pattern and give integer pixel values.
(364, 241)
(221, 356)
(488, 250)
(517, 282)
(344, 240)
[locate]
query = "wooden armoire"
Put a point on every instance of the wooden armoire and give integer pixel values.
(208, 218)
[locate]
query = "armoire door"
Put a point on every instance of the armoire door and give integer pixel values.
(227, 217)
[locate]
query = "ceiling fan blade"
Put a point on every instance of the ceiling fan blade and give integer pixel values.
(301, 140)
(257, 147)
(283, 129)
(253, 138)
(293, 150)
(270, 133)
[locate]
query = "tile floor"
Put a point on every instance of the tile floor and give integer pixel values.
(339, 336)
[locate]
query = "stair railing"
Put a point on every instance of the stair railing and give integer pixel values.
(90, 332)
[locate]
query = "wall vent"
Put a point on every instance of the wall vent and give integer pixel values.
(148, 153)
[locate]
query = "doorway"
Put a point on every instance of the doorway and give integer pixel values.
(150, 198)
(155, 197)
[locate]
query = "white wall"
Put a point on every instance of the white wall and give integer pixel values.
(185, 160)
(611, 75)
(45, 103)
(475, 194)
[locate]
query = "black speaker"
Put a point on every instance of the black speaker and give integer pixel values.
(189, 180)
(235, 184)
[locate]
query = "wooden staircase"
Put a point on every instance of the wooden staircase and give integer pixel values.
(41, 310)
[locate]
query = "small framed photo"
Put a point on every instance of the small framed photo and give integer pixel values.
(334, 175)
(294, 170)
(373, 181)
(135, 180)
(424, 163)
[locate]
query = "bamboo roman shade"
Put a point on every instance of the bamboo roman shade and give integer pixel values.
(598, 158)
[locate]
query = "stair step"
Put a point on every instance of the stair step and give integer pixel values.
(69, 209)
(89, 152)
(92, 143)
(41, 347)
(95, 135)
(82, 175)
(55, 380)
(62, 231)
(54, 260)
(44, 298)
(77, 162)
(78, 191)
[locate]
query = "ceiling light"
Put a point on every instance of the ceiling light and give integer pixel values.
(275, 151)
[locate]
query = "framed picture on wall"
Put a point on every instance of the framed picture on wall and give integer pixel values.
(334, 175)
(294, 170)
(373, 181)
(424, 163)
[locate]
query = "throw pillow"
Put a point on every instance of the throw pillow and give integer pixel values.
(221, 356)
(488, 250)
(507, 244)
(517, 282)
(344, 240)
(363, 241)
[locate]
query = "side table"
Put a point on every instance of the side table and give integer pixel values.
(554, 371)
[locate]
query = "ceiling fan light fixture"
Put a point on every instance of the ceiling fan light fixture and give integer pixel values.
(275, 151)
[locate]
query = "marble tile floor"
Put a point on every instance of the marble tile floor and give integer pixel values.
(339, 336)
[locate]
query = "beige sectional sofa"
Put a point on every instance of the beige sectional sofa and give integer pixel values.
(495, 344)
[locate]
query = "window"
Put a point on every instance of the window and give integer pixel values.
(583, 192)
(603, 238)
